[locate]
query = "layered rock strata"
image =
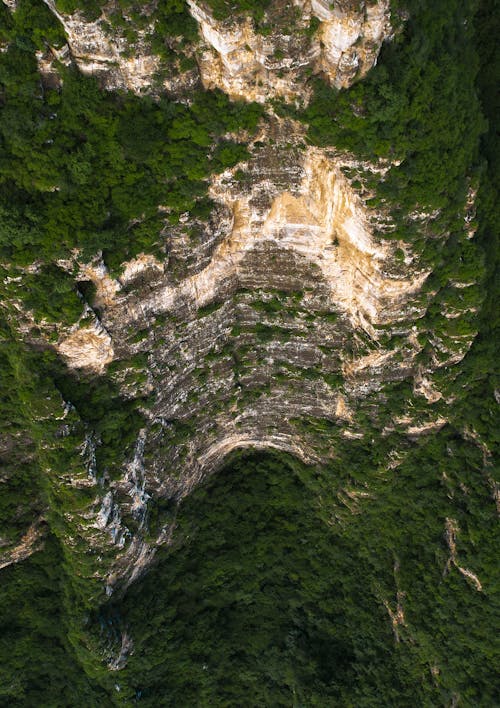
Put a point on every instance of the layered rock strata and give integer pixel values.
(339, 40)
(275, 324)
(106, 54)
(271, 338)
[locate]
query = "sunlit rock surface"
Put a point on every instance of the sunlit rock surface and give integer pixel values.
(278, 321)
(105, 54)
(339, 40)
(87, 348)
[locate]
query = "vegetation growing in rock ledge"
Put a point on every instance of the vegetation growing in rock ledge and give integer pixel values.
(242, 611)
(87, 169)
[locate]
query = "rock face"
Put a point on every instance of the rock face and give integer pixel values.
(318, 220)
(87, 348)
(270, 337)
(350, 38)
(339, 40)
(31, 541)
(278, 324)
(106, 55)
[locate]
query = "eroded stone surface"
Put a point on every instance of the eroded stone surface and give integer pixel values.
(30, 542)
(257, 67)
(234, 56)
(319, 219)
(270, 334)
(226, 367)
(269, 331)
(105, 55)
(87, 348)
(271, 328)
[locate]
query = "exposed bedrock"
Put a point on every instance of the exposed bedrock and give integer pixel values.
(297, 280)
(339, 40)
(104, 54)
(268, 334)
(276, 323)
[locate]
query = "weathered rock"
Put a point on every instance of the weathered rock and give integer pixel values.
(88, 348)
(236, 57)
(105, 55)
(257, 67)
(273, 328)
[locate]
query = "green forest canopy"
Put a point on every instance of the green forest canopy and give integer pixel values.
(260, 609)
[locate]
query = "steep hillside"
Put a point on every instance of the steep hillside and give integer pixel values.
(248, 264)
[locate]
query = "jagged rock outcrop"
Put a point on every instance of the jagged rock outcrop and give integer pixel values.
(89, 347)
(452, 530)
(278, 324)
(271, 338)
(339, 40)
(106, 55)
(30, 542)
(319, 219)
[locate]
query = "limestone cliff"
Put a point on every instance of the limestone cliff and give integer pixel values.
(104, 54)
(279, 323)
(339, 40)
(280, 319)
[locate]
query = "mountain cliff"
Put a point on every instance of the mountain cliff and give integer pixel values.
(237, 227)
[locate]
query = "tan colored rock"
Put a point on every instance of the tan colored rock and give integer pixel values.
(29, 543)
(367, 362)
(452, 530)
(97, 53)
(430, 426)
(342, 410)
(350, 39)
(88, 348)
(423, 387)
(254, 67)
(143, 262)
(106, 286)
(323, 221)
(397, 615)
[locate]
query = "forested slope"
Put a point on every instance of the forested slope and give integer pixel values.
(365, 578)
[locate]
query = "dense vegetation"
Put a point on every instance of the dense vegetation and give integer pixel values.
(293, 609)
(87, 169)
(281, 587)
(38, 664)
(171, 19)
